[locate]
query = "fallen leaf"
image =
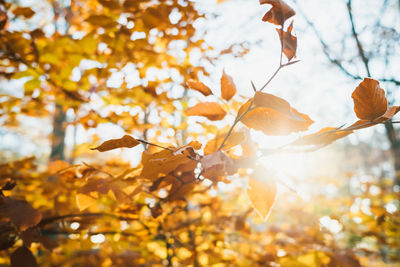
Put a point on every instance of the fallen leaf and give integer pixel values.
(200, 87)
(279, 12)
(211, 110)
(125, 141)
(228, 87)
(369, 100)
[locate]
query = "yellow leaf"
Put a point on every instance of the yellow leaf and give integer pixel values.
(262, 196)
(84, 201)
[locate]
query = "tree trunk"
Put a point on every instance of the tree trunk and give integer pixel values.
(58, 137)
(395, 149)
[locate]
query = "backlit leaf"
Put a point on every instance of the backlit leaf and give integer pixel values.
(211, 110)
(369, 100)
(228, 87)
(125, 141)
(200, 87)
(262, 195)
(323, 137)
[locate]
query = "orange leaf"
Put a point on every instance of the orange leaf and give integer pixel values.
(262, 195)
(217, 165)
(228, 87)
(125, 141)
(200, 87)
(211, 110)
(273, 122)
(234, 139)
(273, 102)
(85, 201)
(369, 100)
(323, 137)
(279, 12)
(361, 124)
(289, 42)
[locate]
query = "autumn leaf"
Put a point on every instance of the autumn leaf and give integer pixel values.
(211, 110)
(200, 87)
(369, 100)
(125, 141)
(235, 138)
(279, 12)
(228, 87)
(84, 201)
(19, 212)
(289, 41)
(323, 137)
(274, 122)
(23, 257)
(26, 12)
(361, 124)
(273, 102)
(217, 165)
(262, 193)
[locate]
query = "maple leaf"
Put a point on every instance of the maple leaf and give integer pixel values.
(369, 100)
(289, 41)
(228, 87)
(211, 110)
(279, 12)
(125, 141)
(200, 87)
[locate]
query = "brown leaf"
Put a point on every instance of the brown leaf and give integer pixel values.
(125, 141)
(289, 42)
(323, 137)
(217, 165)
(228, 87)
(369, 100)
(23, 257)
(279, 12)
(273, 122)
(262, 193)
(211, 110)
(19, 212)
(26, 12)
(361, 124)
(200, 87)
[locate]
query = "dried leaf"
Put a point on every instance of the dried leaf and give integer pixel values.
(125, 141)
(289, 42)
(211, 110)
(200, 87)
(217, 165)
(228, 87)
(262, 194)
(20, 213)
(279, 12)
(23, 257)
(369, 100)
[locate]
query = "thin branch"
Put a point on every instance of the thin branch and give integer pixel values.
(360, 48)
